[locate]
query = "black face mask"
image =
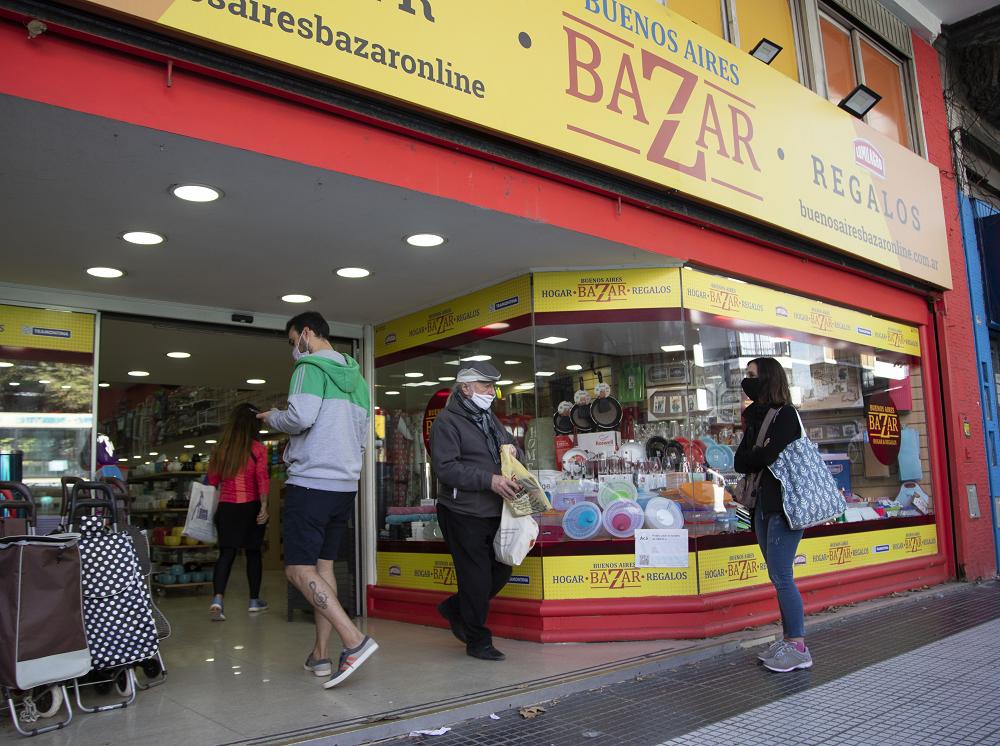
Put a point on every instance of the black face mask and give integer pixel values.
(751, 387)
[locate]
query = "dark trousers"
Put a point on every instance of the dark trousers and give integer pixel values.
(255, 569)
(478, 573)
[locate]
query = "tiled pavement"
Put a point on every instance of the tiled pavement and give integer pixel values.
(924, 672)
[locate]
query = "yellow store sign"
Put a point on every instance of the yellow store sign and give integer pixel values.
(41, 329)
(615, 576)
(436, 572)
(628, 86)
(606, 290)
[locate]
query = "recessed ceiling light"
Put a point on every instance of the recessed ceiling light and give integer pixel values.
(425, 240)
(137, 457)
(14, 383)
(256, 381)
(154, 453)
(452, 362)
(138, 373)
(353, 273)
(106, 273)
(262, 432)
(525, 386)
(102, 384)
(65, 386)
(552, 340)
(211, 442)
(296, 298)
(195, 192)
(446, 378)
(186, 445)
(44, 381)
(392, 393)
(414, 375)
(122, 460)
(497, 326)
(511, 362)
(5, 364)
(142, 238)
(574, 367)
(673, 348)
(545, 373)
(179, 355)
(504, 382)
(476, 359)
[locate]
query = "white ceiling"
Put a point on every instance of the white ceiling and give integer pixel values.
(953, 11)
(70, 183)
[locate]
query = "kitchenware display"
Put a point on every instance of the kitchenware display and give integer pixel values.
(632, 451)
(177, 531)
(605, 410)
(582, 522)
(172, 541)
(663, 513)
(580, 414)
(177, 569)
(622, 518)
(561, 420)
(718, 456)
(615, 491)
(165, 578)
(911, 495)
(574, 463)
(184, 578)
(693, 449)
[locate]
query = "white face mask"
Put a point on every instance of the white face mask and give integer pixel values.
(296, 352)
(483, 401)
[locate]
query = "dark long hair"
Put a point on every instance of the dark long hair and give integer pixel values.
(773, 382)
(233, 450)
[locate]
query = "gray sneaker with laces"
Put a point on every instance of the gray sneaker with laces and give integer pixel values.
(789, 658)
(319, 667)
(770, 650)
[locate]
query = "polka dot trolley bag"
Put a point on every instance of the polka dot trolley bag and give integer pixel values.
(117, 612)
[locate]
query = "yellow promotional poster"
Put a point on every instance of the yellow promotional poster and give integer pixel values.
(632, 87)
(42, 329)
(606, 290)
(753, 304)
(436, 572)
(742, 567)
(615, 576)
(498, 303)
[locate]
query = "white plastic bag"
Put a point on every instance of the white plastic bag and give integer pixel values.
(515, 537)
(200, 523)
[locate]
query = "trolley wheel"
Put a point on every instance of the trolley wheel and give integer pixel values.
(123, 683)
(151, 668)
(48, 700)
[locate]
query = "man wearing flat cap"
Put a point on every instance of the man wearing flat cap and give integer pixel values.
(465, 450)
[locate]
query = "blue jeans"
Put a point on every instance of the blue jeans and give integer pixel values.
(778, 543)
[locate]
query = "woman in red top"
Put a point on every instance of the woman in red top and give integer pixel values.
(239, 467)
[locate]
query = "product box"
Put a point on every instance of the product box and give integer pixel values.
(606, 442)
(839, 465)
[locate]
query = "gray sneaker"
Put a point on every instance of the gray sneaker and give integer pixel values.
(770, 650)
(351, 660)
(788, 658)
(321, 667)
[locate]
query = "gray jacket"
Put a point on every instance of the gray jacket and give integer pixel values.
(463, 464)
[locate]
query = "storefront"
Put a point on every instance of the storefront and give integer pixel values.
(636, 191)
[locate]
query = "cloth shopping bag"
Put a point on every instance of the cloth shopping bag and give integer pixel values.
(515, 537)
(200, 523)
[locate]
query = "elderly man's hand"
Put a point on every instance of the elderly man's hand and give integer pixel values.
(506, 488)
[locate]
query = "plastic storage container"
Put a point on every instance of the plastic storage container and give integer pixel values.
(582, 522)
(663, 513)
(622, 518)
(701, 522)
(616, 490)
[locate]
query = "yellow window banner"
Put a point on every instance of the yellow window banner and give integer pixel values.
(756, 305)
(631, 87)
(606, 290)
(495, 304)
(615, 576)
(436, 572)
(43, 329)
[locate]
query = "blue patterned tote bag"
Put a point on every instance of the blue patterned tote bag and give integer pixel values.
(809, 493)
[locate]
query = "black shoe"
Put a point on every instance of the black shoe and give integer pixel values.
(489, 653)
(457, 627)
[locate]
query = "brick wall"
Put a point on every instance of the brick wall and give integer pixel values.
(960, 394)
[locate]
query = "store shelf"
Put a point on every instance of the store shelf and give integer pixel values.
(166, 475)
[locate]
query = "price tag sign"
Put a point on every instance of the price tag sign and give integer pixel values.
(661, 547)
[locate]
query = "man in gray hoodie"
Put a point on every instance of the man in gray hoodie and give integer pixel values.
(328, 421)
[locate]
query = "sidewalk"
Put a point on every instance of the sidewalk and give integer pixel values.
(925, 670)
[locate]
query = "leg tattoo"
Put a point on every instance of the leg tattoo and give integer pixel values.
(319, 598)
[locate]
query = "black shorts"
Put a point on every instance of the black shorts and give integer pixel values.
(313, 522)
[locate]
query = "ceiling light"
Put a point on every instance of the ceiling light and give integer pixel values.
(138, 373)
(392, 393)
(504, 382)
(5, 364)
(179, 355)
(154, 453)
(262, 432)
(195, 192)
(545, 373)
(477, 359)
(860, 101)
(425, 240)
(511, 362)
(44, 381)
(137, 457)
(142, 238)
(497, 326)
(14, 383)
(211, 442)
(188, 445)
(65, 386)
(552, 340)
(256, 381)
(452, 362)
(766, 50)
(353, 273)
(102, 385)
(446, 378)
(296, 298)
(414, 375)
(574, 367)
(106, 273)
(122, 460)
(673, 348)
(525, 386)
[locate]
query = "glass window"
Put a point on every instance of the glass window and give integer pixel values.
(770, 19)
(839, 60)
(885, 75)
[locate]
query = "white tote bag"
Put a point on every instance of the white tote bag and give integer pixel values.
(515, 537)
(200, 523)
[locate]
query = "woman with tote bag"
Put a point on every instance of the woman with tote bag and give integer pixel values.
(766, 385)
(239, 468)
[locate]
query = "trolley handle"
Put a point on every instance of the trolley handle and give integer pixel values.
(67, 483)
(25, 501)
(108, 501)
